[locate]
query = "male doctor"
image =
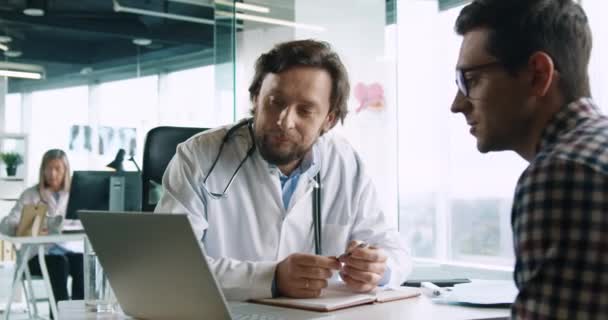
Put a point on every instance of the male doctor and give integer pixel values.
(248, 188)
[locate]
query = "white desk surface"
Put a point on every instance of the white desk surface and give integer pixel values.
(64, 237)
(415, 308)
(38, 244)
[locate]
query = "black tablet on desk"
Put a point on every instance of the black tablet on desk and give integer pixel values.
(437, 282)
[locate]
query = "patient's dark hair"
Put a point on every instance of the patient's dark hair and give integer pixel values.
(519, 28)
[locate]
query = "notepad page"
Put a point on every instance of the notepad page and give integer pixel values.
(392, 294)
(336, 296)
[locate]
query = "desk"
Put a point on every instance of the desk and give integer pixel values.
(415, 308)
(29, 244)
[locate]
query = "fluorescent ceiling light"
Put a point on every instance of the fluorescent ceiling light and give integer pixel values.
(20, 74)
(21, 70)
(3, 47)
(202, 3)
(244, 6)
(33, 12)
(34, 8)
(119, 8)
(13, 53)
(280, 22)
(251, 7)
(239, 5)
(142, 41)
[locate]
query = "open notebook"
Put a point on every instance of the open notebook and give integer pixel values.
(337, 296)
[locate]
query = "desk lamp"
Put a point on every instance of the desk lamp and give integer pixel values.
(117, 183)
(116, 164)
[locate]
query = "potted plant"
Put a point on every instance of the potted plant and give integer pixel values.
(12, 160)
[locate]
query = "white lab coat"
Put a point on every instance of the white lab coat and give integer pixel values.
(31, 195)
(247, 233)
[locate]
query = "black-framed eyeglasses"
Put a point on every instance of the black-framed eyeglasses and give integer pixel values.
(219, 195)
(461, 80)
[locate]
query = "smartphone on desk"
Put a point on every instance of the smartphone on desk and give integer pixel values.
(438, 282)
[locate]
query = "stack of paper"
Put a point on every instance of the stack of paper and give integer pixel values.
(483, 292)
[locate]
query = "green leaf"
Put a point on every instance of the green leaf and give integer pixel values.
(11, 159)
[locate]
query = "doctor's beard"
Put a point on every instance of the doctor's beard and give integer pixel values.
(280, 156)
(296, 150)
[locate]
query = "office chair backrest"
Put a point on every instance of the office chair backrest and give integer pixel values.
(159, 148)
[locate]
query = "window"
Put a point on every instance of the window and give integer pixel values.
(126, 110)
(54, 114)
(598, 67)
(454, 203)
(188, 99)
(13, 113)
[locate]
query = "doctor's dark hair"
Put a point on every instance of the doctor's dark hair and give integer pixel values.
(309, 53)
(519, 28)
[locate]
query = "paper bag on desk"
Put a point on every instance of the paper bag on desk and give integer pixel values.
(33, 220)
(337, 296)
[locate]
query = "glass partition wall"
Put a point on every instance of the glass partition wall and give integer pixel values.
(111, 71)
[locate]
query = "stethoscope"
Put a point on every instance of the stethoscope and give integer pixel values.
(316, 198)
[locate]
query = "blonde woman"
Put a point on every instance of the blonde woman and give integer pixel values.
(53, 191)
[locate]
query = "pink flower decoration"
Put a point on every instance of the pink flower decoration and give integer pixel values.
(371, 96)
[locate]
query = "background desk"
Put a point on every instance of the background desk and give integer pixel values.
(28, 244)
(415, 308)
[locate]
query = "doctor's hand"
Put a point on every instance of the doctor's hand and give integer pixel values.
(304, 275)
(363, 267)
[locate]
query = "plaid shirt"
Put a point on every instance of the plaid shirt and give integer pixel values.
(560, 220)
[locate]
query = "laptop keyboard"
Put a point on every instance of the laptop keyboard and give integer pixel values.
(241, 316)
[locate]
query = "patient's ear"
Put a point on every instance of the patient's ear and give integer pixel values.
(254, 102)
(543, 73)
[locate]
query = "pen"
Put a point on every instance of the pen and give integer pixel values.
(348, 253)
(430, 289)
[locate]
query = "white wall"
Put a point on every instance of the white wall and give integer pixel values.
(251, 43)
(356, 29)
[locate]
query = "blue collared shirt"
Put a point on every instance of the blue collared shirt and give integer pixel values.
(289, 184)
(308, 167)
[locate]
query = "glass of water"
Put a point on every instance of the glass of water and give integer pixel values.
(98, 295)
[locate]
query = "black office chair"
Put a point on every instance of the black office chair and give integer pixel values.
(159, 148)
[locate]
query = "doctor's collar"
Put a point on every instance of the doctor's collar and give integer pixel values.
(308, 166)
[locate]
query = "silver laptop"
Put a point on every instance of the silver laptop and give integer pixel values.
(157, 269)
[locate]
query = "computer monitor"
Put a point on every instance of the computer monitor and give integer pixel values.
(92, 190)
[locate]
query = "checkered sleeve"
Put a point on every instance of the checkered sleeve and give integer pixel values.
(560, 230)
